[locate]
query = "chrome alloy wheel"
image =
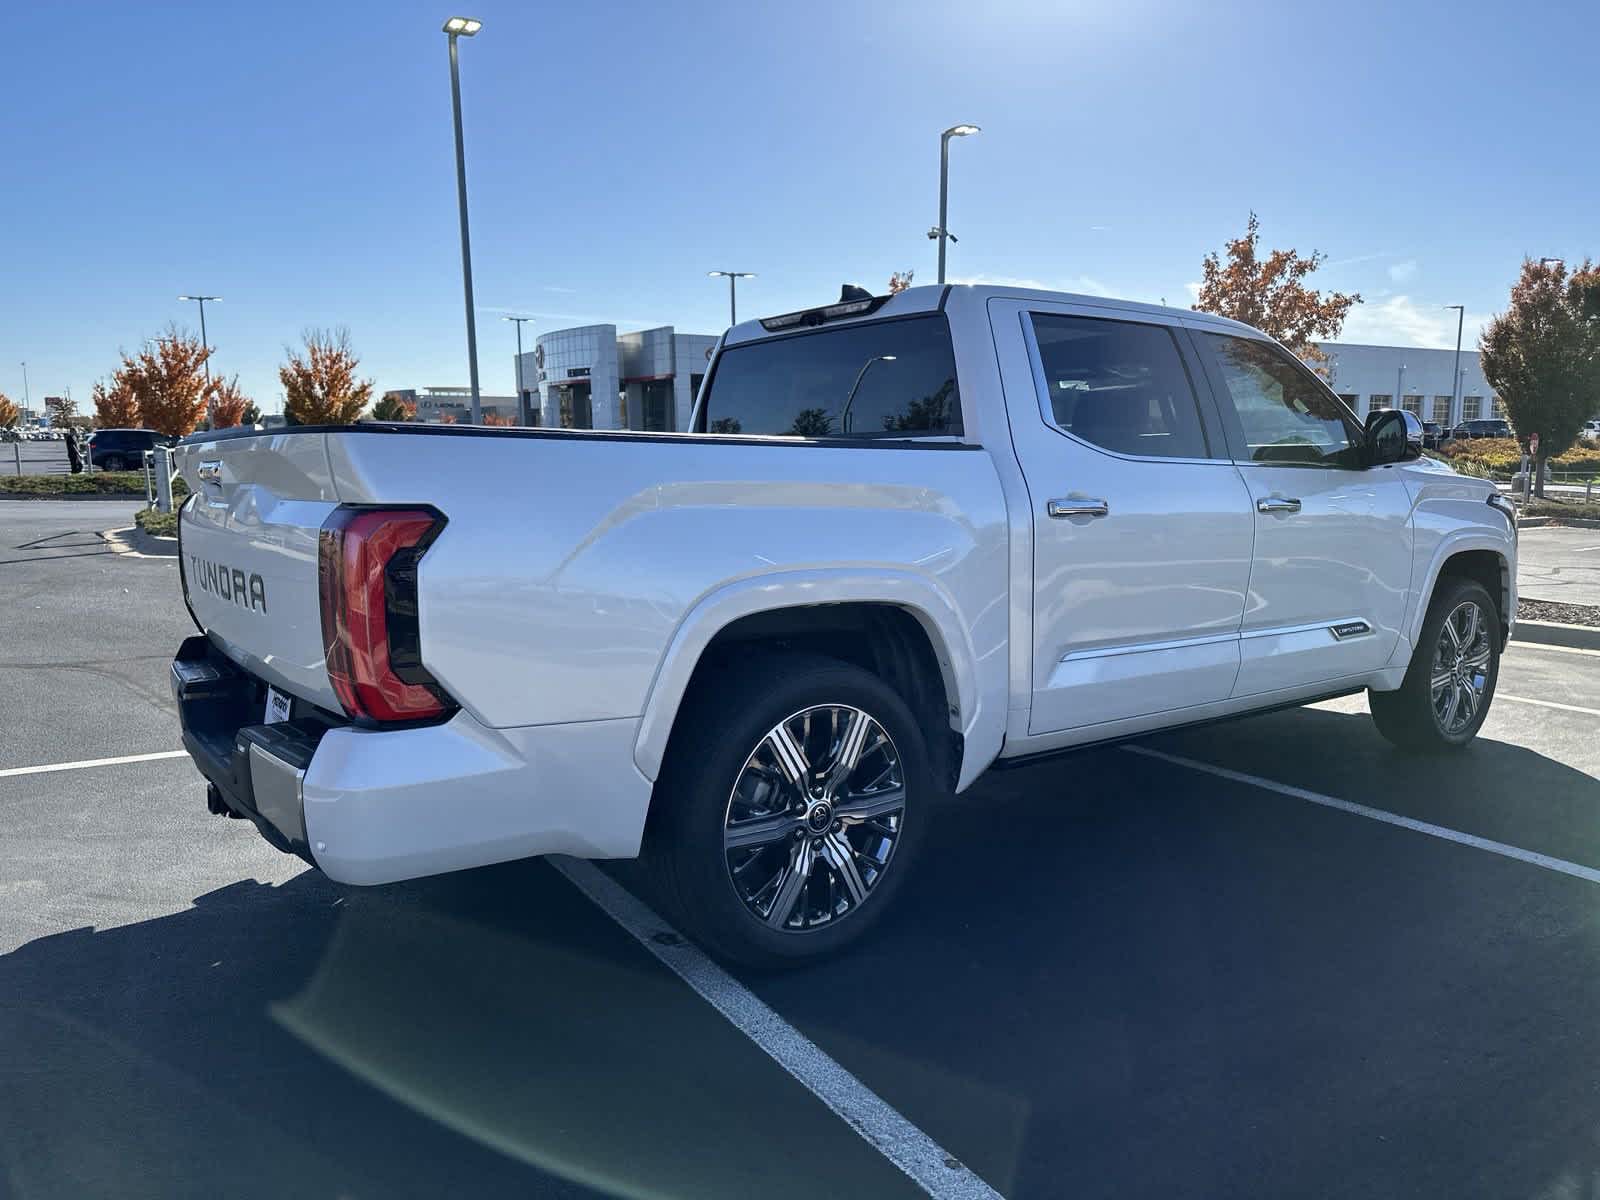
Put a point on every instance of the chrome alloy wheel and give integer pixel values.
(814, 817)
(1460, 667)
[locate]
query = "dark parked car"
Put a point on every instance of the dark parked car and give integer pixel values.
(1491, 427)
(1432, 434)
(123, 449)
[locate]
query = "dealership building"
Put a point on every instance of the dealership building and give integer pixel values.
(593, 377)
(1373, 377)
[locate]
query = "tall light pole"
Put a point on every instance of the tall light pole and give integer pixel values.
(844, 415)
(204, 344)
(733, 278)
(942, 230)
(460, 27)
(1455, 370)
(522, 394)
(27, 404)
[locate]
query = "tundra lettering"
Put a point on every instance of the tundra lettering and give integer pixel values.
(229, 583)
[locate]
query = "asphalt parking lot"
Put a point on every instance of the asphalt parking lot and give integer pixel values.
(1174, 969)
(34, 458)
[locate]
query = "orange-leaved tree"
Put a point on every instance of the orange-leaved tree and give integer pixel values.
(229, 404)
(392, 406)
(10, 414)
(115, 406)
(900, 281)
(1543, 355)
(1271, 294)
(490, 418)
(320, 385)
(168, 383)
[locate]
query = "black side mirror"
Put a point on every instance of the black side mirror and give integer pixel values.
(1393, 435)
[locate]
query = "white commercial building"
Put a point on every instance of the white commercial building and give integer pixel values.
(592, 377)
(1374, 377)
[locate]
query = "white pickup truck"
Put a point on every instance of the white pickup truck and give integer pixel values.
(905, 538)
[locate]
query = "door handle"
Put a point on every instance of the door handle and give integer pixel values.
(1277, 504)
(1076, 506)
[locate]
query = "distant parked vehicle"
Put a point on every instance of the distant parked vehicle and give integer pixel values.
(1432, 435)
(1590, 431)
(1491, 427)
(123, 449)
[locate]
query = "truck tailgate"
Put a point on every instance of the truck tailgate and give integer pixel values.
(249, 553)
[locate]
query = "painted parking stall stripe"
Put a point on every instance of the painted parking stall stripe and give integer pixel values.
(935, 1170)
(1532, 857)
(1577, 708)
(83, 764)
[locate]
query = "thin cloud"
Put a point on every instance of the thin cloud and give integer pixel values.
(1361, 258)
(1404, 272)
(1402, 321)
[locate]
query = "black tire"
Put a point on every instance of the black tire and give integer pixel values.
(1411, 717)
(720, 743)
(112, 463)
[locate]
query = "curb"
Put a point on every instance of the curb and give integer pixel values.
(136, 543)
(139, 496)
(1559, 522)
(1555, 633)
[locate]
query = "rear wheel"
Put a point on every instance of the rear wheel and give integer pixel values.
(112, 462)
(794, 798)
(1451, 680)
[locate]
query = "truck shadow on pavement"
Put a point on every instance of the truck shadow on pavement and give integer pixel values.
(1162, 981)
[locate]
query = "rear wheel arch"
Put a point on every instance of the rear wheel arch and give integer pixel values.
(905, 645)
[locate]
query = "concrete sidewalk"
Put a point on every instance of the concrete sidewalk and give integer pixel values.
(1559, 564)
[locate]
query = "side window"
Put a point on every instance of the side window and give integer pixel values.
(1119, 385)
(881, 379)
(1285, 413)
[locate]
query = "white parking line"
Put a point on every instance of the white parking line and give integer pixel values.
(91, 762)
(1577, 708)
(1553, 649)
(934, 1169)
(1559, 865)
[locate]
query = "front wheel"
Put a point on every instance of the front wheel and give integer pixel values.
(1450, 683)
(793, 800)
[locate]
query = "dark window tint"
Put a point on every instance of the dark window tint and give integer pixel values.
(1120, 385)
(886, 379)
(1285, 413)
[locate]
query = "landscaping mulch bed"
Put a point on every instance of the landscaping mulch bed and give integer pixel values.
(1566, 614)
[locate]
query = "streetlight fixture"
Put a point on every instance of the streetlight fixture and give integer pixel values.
(941, 231)
(1455, 387)
(733, 278)
(204, 344)
(844, 415)
(454, 28)
(522, 394)
(27, 402)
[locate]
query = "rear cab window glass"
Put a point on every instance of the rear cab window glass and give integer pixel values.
(878, 379)
(1119, 385)
(1285, 414)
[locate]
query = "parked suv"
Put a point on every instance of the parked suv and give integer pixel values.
(123, 449)
(903, 539)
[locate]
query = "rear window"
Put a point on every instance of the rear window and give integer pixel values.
(884, 379)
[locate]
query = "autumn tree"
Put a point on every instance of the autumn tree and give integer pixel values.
(115, 406)
(320, 385)
(490, 418)
(1271, 294)
(392, 406)
(168, 382)
(900, 281)
(10, 414)
(228, 404)
(1542, 355)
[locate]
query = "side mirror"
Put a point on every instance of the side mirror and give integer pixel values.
(1393, 435)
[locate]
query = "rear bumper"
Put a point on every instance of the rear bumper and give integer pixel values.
(379, 805)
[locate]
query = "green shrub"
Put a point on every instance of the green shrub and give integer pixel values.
(101, 483)
(157, 524)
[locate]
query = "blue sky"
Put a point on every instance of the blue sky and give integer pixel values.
(296, 158)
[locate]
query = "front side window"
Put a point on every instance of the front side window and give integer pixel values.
(881, 379)
(1119, 385)
(1285, 413)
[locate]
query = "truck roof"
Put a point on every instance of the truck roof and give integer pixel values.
(932, 297)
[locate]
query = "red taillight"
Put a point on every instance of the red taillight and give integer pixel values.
(368, 584)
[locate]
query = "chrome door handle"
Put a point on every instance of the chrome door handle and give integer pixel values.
(1074, 506)
(1277, 504)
